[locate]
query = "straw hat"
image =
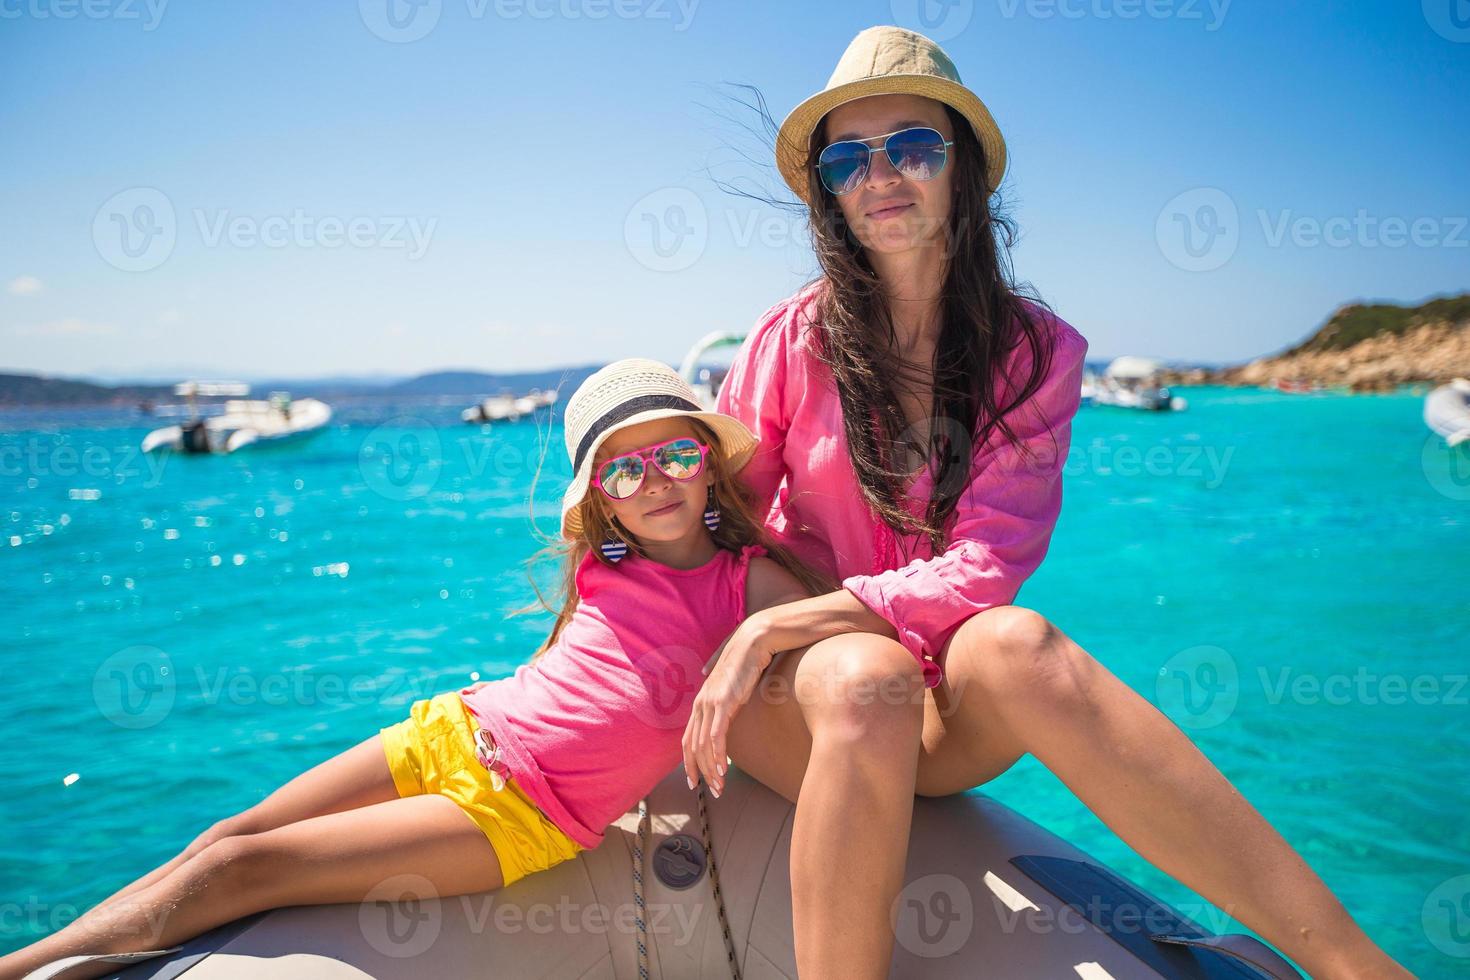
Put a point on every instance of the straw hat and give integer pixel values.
(626, 393)
(883, 61)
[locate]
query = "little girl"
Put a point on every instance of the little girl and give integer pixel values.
(663, 559)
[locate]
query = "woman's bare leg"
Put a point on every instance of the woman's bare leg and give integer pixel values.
(351, 779)
(853, 719)
(1017, 684)
(339, 857)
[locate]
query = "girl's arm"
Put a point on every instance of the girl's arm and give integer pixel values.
(735, 668)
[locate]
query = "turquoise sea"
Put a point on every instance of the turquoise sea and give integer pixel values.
(1285, 575)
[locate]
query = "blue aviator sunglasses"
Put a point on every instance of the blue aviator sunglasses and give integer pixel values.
(919, 153)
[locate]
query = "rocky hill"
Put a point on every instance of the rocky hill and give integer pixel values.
(1367, 347)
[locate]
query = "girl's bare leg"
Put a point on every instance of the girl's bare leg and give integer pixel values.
(351, 779)
(1015, 683)
(854, 718)
(339, 857)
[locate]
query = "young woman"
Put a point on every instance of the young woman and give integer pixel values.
(663, 558)
(914, 414)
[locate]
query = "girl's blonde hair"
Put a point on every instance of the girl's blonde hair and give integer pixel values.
(740, 525)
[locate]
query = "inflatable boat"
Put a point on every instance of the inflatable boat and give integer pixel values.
(988, 893)
(1447, 411)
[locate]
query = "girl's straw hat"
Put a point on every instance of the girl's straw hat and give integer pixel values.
(626, 393)
(882, 61)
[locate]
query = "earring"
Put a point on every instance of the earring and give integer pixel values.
(712, 513)
(614, 548)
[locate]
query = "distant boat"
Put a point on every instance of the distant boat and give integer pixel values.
(1133, 382)
(707, 378)
(1296, 386)
(1447, 411)
(508, 408)
(244, 422)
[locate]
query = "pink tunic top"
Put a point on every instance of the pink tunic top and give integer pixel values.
(1004, 517)
(596, 721)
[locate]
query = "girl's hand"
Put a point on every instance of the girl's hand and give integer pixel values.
(737, 668)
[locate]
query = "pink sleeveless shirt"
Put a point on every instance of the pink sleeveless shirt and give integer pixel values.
(596, 721)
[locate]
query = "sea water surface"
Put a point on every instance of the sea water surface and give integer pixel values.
(1284, 575)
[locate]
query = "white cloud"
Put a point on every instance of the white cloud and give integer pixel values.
(24, 286)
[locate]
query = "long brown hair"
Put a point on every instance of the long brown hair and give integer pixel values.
(982, 318)
(739, 526)
(985, 314)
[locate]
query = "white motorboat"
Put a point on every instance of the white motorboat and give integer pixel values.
(508, 408)
(1447, 411)
(243, 422)
(987, 893)
(705, 377)
(1133, 382)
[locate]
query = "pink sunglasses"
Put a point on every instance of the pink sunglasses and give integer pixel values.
(678, 459)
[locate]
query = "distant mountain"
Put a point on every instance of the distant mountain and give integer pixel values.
(33, 390)
(26, 389)
(1370, 346)
(475, 383)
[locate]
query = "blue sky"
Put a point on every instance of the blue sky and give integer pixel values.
(345, 187)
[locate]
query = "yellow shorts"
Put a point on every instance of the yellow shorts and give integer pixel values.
(433, 751)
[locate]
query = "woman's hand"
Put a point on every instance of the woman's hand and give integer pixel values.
(737, 668)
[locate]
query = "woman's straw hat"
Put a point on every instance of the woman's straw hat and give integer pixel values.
(882, 61)
(626, 393)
